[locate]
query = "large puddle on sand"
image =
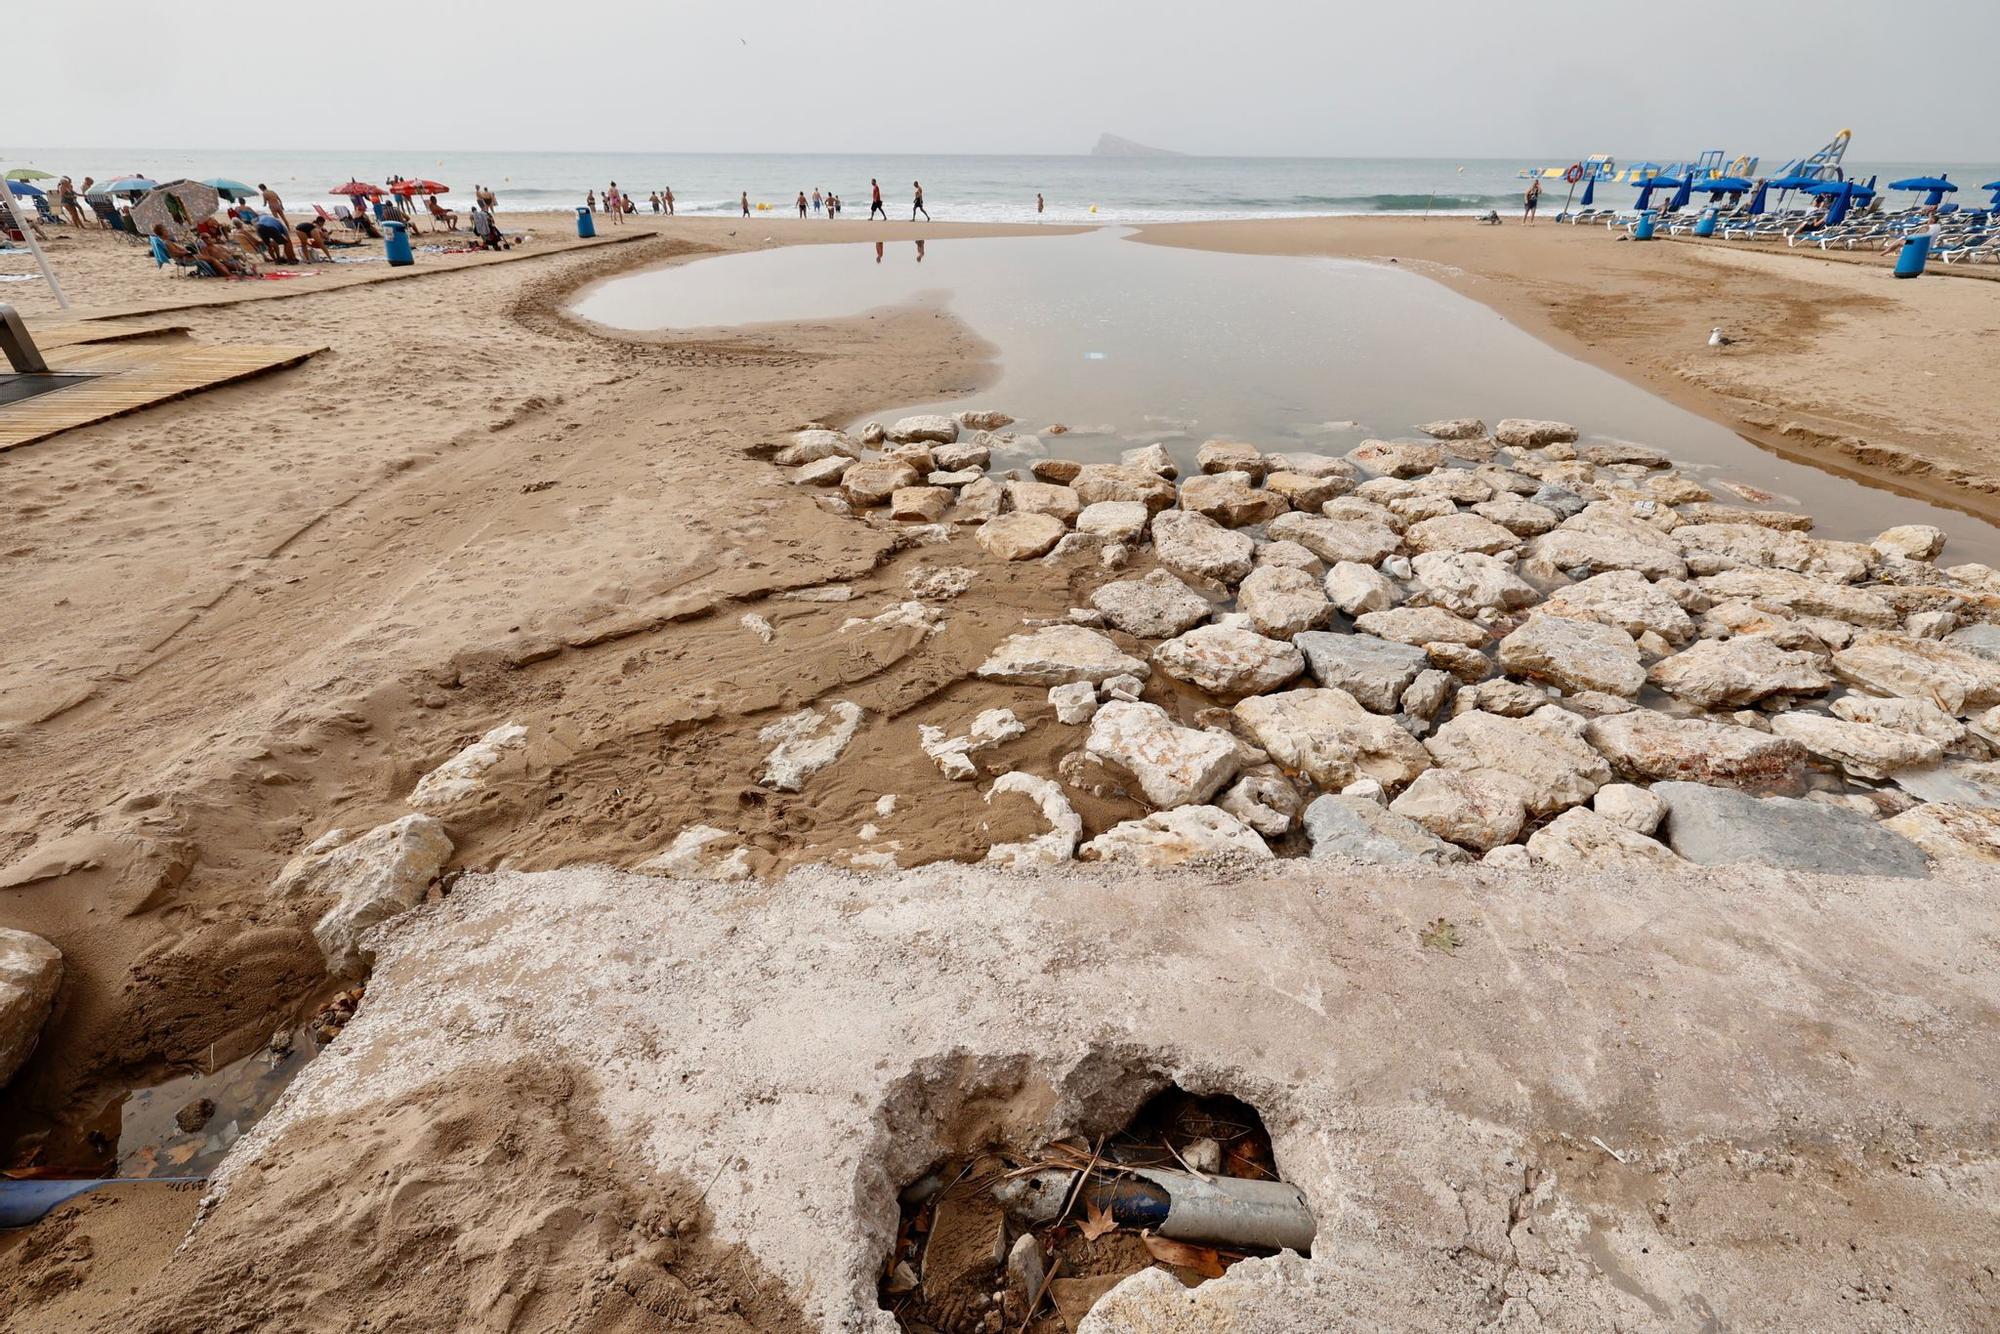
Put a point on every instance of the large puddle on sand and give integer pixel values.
(1131, 344)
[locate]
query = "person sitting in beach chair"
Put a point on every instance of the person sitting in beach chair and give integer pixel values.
(439, 213)
(487, 230)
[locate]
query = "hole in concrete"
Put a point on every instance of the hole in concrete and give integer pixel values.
(997, 1235)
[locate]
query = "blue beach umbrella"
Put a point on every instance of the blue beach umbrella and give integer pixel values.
(222, 185)
(126, 185)
(1681, 195)
(26, 190)
(1651, 184)
(1935, 188)
(1589, 191)
(1722, 185)
(1844, 194)
(1757, 200)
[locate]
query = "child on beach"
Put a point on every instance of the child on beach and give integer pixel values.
(875, 197)
(917, 203)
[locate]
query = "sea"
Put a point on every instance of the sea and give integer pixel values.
(956, 188)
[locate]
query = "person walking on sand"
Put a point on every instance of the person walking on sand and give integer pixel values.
(746, 203)
(875, 200)
(272, 204)
(1534, 197)
(616, 203)
(917, 202)
(668, 195)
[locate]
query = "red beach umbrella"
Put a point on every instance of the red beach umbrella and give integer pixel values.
(420, 188)
(358, 189)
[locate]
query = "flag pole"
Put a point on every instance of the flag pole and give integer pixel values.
(28, 234)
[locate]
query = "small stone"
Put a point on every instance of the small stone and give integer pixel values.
(874, 481)
(1583, 839)
(1109, 481)
(1525, 433)
(1478, 810)
(1358, 589)
(1281, 601)
(1374, 671)
(1555, 766)
(1118, 520)
(1355, 829)
(1157, 606)
(1074, 703)
(1176, 838)
(806, 742)
(1196, 547)
(1058, 654)
(1633, 807)
(953, 754)
(1020, 536)
(1575, 655)
(1229, 662)
(1426, 694)
(371, 878)
(1523, 518)
(1626, 599)
(700, 852)
(984, 419)
(1060, 471)
(1264, 799)
(1151, 458)
(1509, 857)
(1465, 663)
(921, 504)
(962, 457)
(824, 472)
(1044, 498)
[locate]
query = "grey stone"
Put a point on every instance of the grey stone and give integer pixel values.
(1374, 671)
(1715, 826)
(1357, 829)
(1645, 746)
(1158, 606)
(31, 970)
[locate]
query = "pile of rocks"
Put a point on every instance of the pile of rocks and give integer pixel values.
(1511, 645)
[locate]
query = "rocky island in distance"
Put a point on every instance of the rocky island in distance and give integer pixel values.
(1110, 145)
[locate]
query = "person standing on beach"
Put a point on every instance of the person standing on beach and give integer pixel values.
(66, 192)
(1534, 198)
(816, 199)
(668, 195)
(875, 200)
(746, 203)
(917, 202)
(273, 205)
(1038, 206)
(616, 203)
(590, 200)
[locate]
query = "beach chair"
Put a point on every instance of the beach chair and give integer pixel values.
(46, 214)
(1967, 245)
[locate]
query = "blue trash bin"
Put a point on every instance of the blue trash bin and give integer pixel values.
(396, 243)
(1644, 231)
(1706, 227)
(1916, 250)
(585, 228)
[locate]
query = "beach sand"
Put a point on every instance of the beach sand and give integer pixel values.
(1832, 361)
(243, 619)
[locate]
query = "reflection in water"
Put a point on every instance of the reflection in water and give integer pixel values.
(920, 250)
(1131, 344)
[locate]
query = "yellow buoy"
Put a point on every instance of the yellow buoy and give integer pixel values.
(1093, 208)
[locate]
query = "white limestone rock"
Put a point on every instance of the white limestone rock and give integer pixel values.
(469, 775)
(1157, 606)
(1575, 655)
(1358, 589)
(1582, 839)
(1733, 673)
(1556, 767)
(1645, 746)
(953, 754)
(31, 971)
(1176, 838)
(1231, 500)
(1479, 810)
(1336, 540)
(1942, 673)
(1196, 547)
(1329, 737)
(806, 742)
(1283, 600)
(873, 481)
(700, 852)
(1527, 433)
(1171, 765)
(1074, 703)
(1264, 799)
(1114, 520)
(1053, 847)
(926, 428)
(1058, 654)
(1468, 582)
(1629, 805)
(1421, 625)
(1861, 749)
(1044, 498)
(370, 877)
(1356, 829)
(1626, 599)
(1231, 662)
(1020, 536)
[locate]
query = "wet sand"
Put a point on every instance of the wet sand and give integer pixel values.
(1832, 361)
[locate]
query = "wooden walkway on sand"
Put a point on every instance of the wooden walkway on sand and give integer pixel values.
(129, 375)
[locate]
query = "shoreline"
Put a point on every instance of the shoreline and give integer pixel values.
(1644, 313)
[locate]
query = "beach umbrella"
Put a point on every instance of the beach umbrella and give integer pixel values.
(1650, 184)
(1717, 185)
(229, 189)
(30, 174)
(126, 185)
(1589, 191)
(1934, 187)
(1681, 195)
(178, 204)
(1798, 180)
(1844, 193)
(25, 190)
(420, 188)
(358, 189)
(1757, 200)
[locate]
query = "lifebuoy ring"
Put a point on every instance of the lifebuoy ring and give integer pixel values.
(1574, 174)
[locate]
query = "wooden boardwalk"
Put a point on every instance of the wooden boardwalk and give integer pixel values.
(131, 375)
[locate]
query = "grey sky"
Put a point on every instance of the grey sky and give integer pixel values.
(1915, 80)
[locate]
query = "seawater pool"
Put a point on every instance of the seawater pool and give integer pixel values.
(1131, 344)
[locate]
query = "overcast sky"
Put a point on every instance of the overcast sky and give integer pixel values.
(1914, 79)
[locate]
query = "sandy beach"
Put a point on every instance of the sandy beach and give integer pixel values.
(244, 619)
